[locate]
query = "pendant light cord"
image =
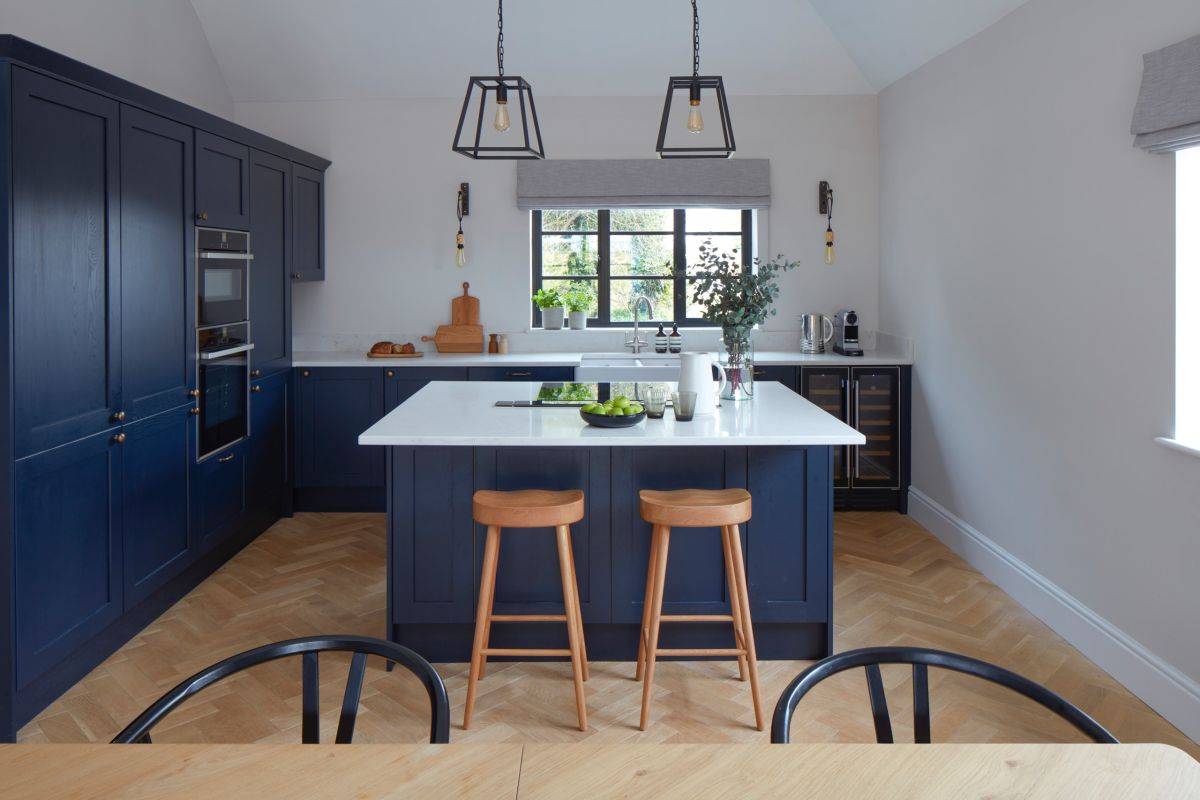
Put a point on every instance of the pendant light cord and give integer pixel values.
(500, 37)
(695, 40)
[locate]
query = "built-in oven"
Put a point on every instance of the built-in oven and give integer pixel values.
(222, 276)
(224, 402)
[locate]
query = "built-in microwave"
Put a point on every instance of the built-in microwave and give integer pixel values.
(222, 277)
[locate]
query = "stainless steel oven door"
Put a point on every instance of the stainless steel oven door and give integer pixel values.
(224, 355)
(222, 277)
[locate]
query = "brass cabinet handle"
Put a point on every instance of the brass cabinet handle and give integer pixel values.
(119, 438)
(193, 392)
(202, 216)
(194, 410)
(225, 459)
(391, 373)
(519, 374)
(296, 276)
(256, 373)
(256, 388)
(118, 416)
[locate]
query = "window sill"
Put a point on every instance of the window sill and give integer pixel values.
(1181, 447)
(614, 329)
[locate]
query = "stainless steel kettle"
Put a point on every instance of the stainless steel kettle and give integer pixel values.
(816, 331)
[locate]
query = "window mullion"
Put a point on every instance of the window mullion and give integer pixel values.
(679, 284)
(603, 285)
(536, 246)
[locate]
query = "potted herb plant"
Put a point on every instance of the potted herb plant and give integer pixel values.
(736, 298)
(578, 301)
(551, 304)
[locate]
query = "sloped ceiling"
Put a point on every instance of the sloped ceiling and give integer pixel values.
(287, 50)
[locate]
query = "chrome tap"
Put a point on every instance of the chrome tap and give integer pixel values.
(637, 343)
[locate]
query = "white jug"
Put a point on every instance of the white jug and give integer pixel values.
(696, 375)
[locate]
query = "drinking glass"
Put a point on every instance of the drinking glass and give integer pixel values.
(685, 405)
(656, 402)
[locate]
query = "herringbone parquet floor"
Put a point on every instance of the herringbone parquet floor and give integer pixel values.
(324, 573)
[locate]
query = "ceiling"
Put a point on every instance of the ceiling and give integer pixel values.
(288, 50)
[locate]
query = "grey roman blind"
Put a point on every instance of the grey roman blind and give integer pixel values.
(1167, 116)
(644, 183)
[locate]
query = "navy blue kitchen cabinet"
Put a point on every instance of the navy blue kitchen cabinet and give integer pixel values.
(269, 426)
(522, 373)
(219, 496)
(787, 375)
(401, 383)
(157, 535)
(222, 182)
(308, 223)
(67, 550)
(270, 274)
(66, 262)
(158, 287)
(335, 405)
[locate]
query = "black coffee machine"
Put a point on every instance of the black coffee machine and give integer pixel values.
(845, 333)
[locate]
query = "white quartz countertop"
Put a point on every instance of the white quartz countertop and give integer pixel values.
(766, 358)
(464, 413)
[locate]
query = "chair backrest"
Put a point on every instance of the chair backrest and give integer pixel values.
(921, 659)
(307, 648)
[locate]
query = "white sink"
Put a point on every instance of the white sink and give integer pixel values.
(627, 367)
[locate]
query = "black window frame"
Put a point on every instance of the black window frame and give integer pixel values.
(603, 279)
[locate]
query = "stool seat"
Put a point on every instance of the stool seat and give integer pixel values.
(695, 508)
(528, 508)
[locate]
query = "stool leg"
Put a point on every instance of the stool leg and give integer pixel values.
(483, 617)
(660, 577)
(735, 541)
(644, 630)
(735, 606)
(573, 624)
(578, 610)
(491, 607)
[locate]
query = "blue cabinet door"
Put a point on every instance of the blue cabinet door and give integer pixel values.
(66, 550)
(308, 224)
(222, 183)
(219, 497)
(522, 373)
(270, 275)
(158, 455)
(528, 581)
(336, 405)
(401, 383)
(787, 375)
(66, 262)
(269, 441)
(158, 299)
(695, 567)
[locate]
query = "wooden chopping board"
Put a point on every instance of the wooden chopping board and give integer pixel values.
(464, 310)
(457, 339)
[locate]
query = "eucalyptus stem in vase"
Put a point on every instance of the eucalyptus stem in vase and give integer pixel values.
(736, 297)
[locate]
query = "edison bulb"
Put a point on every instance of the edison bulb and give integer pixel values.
(501, 124)
(695, 122)
(829, 247)
(460, 256)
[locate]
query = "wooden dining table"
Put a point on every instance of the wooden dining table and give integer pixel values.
(652, 771)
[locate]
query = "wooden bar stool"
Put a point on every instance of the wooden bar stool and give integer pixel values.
(531, 508)
(697, 508)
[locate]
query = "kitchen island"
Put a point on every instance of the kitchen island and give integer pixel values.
(450, 439)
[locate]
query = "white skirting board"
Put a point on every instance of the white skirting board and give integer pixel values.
(1161, 686)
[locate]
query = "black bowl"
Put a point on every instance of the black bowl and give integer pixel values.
(605, 421)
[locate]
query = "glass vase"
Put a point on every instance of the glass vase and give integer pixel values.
(737, 363)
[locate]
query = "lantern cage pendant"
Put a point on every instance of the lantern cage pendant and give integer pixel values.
(696, 86)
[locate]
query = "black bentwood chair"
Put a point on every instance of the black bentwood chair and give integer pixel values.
(307, 648)
(921, 660)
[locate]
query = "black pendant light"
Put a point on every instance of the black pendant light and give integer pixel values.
(695, 85)
(518, 145)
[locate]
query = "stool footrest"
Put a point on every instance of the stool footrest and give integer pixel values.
(691, 651)
(696, 618)
(511, 651)
(528, 618)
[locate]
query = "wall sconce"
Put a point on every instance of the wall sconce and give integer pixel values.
(825, 206)
(463, 208)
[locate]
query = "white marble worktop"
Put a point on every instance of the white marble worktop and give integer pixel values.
(463, 413)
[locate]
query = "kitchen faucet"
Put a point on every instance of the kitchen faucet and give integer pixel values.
(637, 343)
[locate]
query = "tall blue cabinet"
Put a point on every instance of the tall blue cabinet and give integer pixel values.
(107, 517)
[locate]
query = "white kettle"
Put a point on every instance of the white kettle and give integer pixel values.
(696, 375)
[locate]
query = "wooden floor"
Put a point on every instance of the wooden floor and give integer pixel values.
(324, 573)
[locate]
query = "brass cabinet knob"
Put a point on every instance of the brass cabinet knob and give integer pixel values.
(391, 373)
(202, 216)
(305, 374)
(193, 392)
(119, 438)
(296, 276)
(119, 416)
(256, 389)
(194, 411)
(256, 373)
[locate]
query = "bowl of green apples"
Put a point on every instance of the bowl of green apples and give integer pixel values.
(618, 412)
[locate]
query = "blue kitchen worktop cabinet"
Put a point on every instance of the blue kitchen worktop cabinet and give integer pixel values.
(112, 519)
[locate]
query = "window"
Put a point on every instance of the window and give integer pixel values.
(618, 254)
(1187, 297)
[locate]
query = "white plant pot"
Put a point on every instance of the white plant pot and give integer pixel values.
(552, 318)
(578, 320)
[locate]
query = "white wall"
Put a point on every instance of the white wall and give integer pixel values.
(1027, 248)
(391, 196)
(158, 44)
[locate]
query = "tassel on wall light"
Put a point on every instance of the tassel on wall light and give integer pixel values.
(825, 206)
(463, 209)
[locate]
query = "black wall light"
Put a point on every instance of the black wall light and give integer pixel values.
(696, 84)
(502, 88)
